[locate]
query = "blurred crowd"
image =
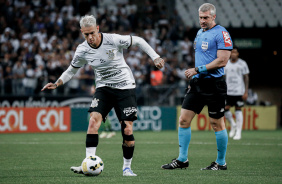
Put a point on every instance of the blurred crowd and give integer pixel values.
(38, 39)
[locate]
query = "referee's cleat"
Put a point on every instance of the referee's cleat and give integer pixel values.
(77, 170)
(175, 164)
(215, 166)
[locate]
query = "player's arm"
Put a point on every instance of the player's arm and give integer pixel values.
(64, 78)
(246, 82)
(220, 61)
(141, 43)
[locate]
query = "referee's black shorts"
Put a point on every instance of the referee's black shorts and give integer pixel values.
(122, 100)
(207, 91)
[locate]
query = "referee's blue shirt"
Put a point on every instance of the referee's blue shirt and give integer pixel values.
(206, 45)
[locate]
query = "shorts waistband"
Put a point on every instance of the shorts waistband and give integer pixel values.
(205, 80)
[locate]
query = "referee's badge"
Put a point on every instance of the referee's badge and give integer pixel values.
(205, 45)
(94, 103)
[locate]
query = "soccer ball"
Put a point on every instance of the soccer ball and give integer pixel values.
(92, 166)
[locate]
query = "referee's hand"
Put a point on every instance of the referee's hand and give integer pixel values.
(189, 73)
(159, 63)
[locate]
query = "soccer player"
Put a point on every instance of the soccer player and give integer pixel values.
(114, 83)
(212, 46)
(237, 80)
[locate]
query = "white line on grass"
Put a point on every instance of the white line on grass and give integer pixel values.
(196, 143)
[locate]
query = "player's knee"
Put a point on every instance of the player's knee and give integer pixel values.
(128, 130)
(94, 123)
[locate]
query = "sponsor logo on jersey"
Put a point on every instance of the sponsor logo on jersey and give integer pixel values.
(93, 60)
(108, 43)
(110, 74)
(94, 103)
(117, 85)
(227, 40)
(102, 61)
(205, 45)
(124, 43)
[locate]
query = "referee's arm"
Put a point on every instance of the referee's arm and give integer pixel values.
(221, 60)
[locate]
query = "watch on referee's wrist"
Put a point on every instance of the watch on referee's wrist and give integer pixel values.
(197, 69)
(56, 85)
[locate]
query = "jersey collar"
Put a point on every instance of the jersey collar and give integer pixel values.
(210, 28)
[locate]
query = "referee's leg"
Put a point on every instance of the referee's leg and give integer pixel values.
(218, 126)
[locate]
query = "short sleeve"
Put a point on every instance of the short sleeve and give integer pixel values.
(245, 69)
(122, 41)
(78, 58)
(224, 41)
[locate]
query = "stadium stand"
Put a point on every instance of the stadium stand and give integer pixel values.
(38, 39)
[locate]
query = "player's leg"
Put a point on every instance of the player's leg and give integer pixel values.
(92, 138)
(127, 147)
(126, 111)
(99, 109)
(239, 123)
(228, 115)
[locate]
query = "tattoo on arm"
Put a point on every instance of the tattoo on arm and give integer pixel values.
(59, 82)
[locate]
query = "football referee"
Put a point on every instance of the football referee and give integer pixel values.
(212, 46)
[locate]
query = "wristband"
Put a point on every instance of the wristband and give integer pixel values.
(202, 68)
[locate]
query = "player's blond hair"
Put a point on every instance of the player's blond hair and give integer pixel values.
(87, 21)
(208, 7)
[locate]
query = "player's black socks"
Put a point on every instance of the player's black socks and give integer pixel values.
(127, 151)
(92, 140)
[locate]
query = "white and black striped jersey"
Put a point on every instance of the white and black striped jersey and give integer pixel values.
(234, 73)
(107, 61)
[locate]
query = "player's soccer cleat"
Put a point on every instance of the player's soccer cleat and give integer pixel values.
(111, 134)
(128, 172)
(215, 166)
(237, 136)
(232, 131)
(77, 170)
(103, 135)
(176, 164)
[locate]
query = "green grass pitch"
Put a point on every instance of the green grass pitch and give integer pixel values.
(46, 158)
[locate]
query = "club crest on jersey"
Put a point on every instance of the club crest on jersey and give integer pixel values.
(94, 103)
(205, 45)
(111, 54)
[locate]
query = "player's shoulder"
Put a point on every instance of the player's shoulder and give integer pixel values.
(83, 47)
(242, 61)
(110, 35)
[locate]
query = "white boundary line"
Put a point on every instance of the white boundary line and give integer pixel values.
(161, 143)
